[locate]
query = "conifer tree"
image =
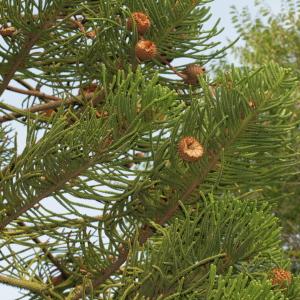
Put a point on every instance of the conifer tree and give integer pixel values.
(134, 183)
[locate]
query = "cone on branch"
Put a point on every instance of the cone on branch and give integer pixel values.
(190, 149)
(91, 34)
(141, 20)
(76, 24)
(49, 112)
(89, 90)
(93, 92)
(192, 72)
(7, 31)
(281, 277)
(57, 280)
(145, 50)
(252, 104)
(102, 114)
(138, 158)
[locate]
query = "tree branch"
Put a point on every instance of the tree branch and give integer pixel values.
(146, 232)
(55, 187)
(18, 61)
(76, 294)
(48, 254)
(24, 83)
(11, 232)
(144, 235)
(34, 287)
(33, 109)
(56, 102)
(33, 92)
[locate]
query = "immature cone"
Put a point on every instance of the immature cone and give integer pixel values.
(76, 24)
(89, 90)
(129, 165)
(101, 114)
(252, 104)
(190, 149)
(8, 31)
(281, 277)
(191, 73)
(91, 34)
(49, 112)
(139, 155)
(93, 93)
(141, 20)
(57, 280)
(145, 50)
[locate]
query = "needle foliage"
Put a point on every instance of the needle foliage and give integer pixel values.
(99, 203)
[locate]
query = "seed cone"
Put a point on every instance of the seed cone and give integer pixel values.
(9, 31)
(190, 149)
(145, 50)
(141, 20)
(191, 73)
(281, 277)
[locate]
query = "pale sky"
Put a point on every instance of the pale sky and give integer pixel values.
(220, 9)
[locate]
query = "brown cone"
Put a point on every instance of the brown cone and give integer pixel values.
(89, 90)
(9, 31)
(190, 149)
(49, 112)
(141, 20)
(57, 280)
(281, 277)
(191, 73)
(91, 34)
(145, 50)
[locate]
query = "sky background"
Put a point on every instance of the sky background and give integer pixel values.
(219, 9)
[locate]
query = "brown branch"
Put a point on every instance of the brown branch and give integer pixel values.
(36, 108)
(94, 99)
(24, 83)
(165, 61)
(18, 61)
(50, 256)
(33, 92)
